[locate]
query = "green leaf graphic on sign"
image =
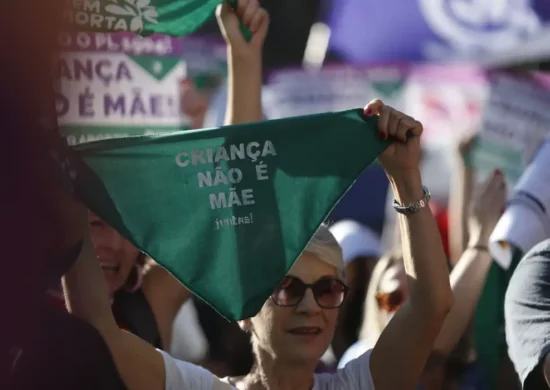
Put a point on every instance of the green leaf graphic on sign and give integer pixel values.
(158, 67)
(388, 88)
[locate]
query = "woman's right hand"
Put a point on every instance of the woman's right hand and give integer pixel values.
(487, 207)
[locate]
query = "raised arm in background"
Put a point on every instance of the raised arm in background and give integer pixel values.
(401, 352)
(244, 59)
(469, 275)
(460, 198)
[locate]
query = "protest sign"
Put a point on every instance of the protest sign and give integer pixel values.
(448, 100)
(227, 211)
(514, 124)
(112, 85)
(292, 92)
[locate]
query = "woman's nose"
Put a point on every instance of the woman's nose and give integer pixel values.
(308, 304)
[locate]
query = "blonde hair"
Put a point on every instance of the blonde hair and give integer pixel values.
(324, 246)
(373, 324)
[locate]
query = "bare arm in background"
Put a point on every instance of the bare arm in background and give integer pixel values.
(407, 341)
(469, 275)
(244, 97)
(459, 200)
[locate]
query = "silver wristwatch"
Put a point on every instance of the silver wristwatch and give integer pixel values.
(414, 207)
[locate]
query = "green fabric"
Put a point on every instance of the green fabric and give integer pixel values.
(229, 243)
(489, 333)
(170, 17)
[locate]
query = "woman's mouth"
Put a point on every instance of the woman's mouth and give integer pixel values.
(109, 267)
(305, 331)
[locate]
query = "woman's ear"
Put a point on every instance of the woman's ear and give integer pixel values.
(245, 325)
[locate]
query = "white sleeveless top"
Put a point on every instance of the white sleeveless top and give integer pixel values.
(180, 375)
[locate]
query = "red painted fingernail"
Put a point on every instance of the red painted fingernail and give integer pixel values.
(383, 136)
(368, 112)
(498, 172)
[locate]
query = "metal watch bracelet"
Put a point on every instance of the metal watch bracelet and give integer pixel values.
(413, 207)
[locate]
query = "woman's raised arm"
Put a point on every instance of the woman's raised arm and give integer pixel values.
(401, 352)
(87, 298)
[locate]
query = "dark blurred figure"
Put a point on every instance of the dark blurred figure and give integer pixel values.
(41, 346)
(230, 349)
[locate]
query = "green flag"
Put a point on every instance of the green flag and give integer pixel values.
(227, 211)
(144, 17)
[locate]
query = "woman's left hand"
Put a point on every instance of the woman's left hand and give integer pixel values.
(403, 155)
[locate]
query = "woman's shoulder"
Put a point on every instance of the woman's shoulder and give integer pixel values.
(353, 352)
(355, 375)
(184, 375)
(234, 381)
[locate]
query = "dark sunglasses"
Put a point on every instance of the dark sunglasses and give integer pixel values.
(390, 301)
(329, 293)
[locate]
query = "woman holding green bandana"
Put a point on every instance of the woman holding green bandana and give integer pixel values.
(296, 324)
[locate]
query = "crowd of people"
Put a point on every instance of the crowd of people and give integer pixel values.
(348, 315)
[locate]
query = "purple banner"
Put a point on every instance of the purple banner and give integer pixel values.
(486, 32)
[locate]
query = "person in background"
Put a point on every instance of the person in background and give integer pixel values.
(229, 349)
(361, 250)
(195, 100)
(525, 230)
(388, 291)
(145, 297)
(527, 315)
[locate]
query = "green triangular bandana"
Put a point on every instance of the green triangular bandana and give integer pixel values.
(144, 17)
(227, 211)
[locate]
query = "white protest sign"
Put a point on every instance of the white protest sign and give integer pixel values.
(516, 121)
(113, 85)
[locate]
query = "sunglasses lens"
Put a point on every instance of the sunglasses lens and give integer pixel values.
(389, 302)
(329, 293)
(289, 292)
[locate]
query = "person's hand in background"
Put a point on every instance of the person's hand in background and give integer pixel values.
(244, 59)
(465, 144)
(487, 207)
(250, 14)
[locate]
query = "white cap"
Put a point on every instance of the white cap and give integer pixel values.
(356, 240)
